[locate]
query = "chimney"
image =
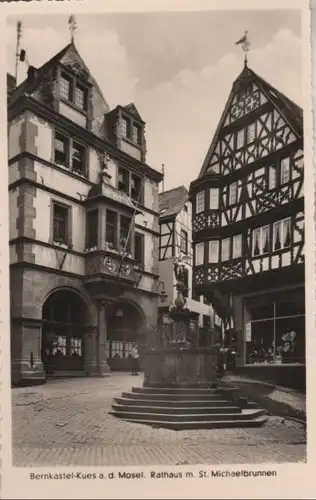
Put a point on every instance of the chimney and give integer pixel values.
(31, 74)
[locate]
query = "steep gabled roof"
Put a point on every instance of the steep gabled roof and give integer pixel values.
(29, 86)
(131, 108)
(172, 202)
(291, 112)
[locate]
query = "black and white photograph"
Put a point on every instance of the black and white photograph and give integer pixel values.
(156, 240)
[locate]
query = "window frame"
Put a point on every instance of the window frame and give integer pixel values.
(200, 201)
(202, 247)
(141, 237)
(88, 244)
(282, 221)
(184, 234)
(233, 253)
(216, 260)
(74, 84)
(129, 128)
(261, 252)
(230, 201)
(56, 240)
(214, 206)
(68, 165)
(224, 240)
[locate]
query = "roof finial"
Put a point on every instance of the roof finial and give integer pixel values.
(245, 44)
(72, 26)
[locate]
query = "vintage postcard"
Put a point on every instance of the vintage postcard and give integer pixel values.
(157, 292)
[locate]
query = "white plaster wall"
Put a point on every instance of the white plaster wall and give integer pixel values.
(51, 257)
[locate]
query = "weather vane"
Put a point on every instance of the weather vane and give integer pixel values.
(72, 26)
(245, 44)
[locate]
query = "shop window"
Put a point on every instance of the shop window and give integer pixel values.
(275, 333)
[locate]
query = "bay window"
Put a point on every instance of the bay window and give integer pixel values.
(233, 193)
(237, 246)
(199, 254)
(200, 202)
(111, 230)
(125, 237)
(213, 251)
(225, 249)
(214, 198)
(92, 228)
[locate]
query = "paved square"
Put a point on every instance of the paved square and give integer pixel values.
(66, 422)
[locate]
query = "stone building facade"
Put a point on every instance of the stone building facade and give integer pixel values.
(83, 224)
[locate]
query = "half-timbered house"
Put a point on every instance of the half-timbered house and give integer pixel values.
(83, 224)
(175, 244)
(248, 228)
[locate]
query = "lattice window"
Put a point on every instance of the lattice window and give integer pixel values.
(200, 202)
(199, 254)
(285, 171)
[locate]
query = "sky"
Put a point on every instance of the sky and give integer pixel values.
(177, 67)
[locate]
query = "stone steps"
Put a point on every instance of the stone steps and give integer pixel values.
(172, 403)
(193, 425)
(121, 408)
(172, 397)
(190, 417)
(179, 408)
(175, 391)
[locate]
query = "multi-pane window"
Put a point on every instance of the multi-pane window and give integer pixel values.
(200, 202)
(251, 132)
(240, 138)
(285, 171)
(282, 234)
(260, 240)
(111, 229)
(213, 251)
(60, 223)
(123, 180)
(139, 248)
(214, 198)
(137, 134)
(61, 149)
(70, 154)
(125, 240)
(65, 87)
(225, 249)
(136, 188)
(92, 228)
(78, 158)
(237, 246)
(76, 346)
(80, 97)
(199, 254)
(272, 176)
(184, 242)
(232, 193)
(72, 91)
(131, 130)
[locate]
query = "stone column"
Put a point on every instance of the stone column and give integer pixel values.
(90, 350)
(26, 360)
(103, 308)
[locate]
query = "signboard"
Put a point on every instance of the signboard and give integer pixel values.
(248, 332)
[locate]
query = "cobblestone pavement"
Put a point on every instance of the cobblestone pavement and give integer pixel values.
(66, 422)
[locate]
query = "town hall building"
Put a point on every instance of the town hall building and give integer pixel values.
(83, 224)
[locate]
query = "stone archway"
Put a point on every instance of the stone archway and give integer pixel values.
(124, 325)
(63, 327)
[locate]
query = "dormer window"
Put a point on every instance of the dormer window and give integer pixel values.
(131, 130)
(73, 91)
(65, 87)
(137, 134)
